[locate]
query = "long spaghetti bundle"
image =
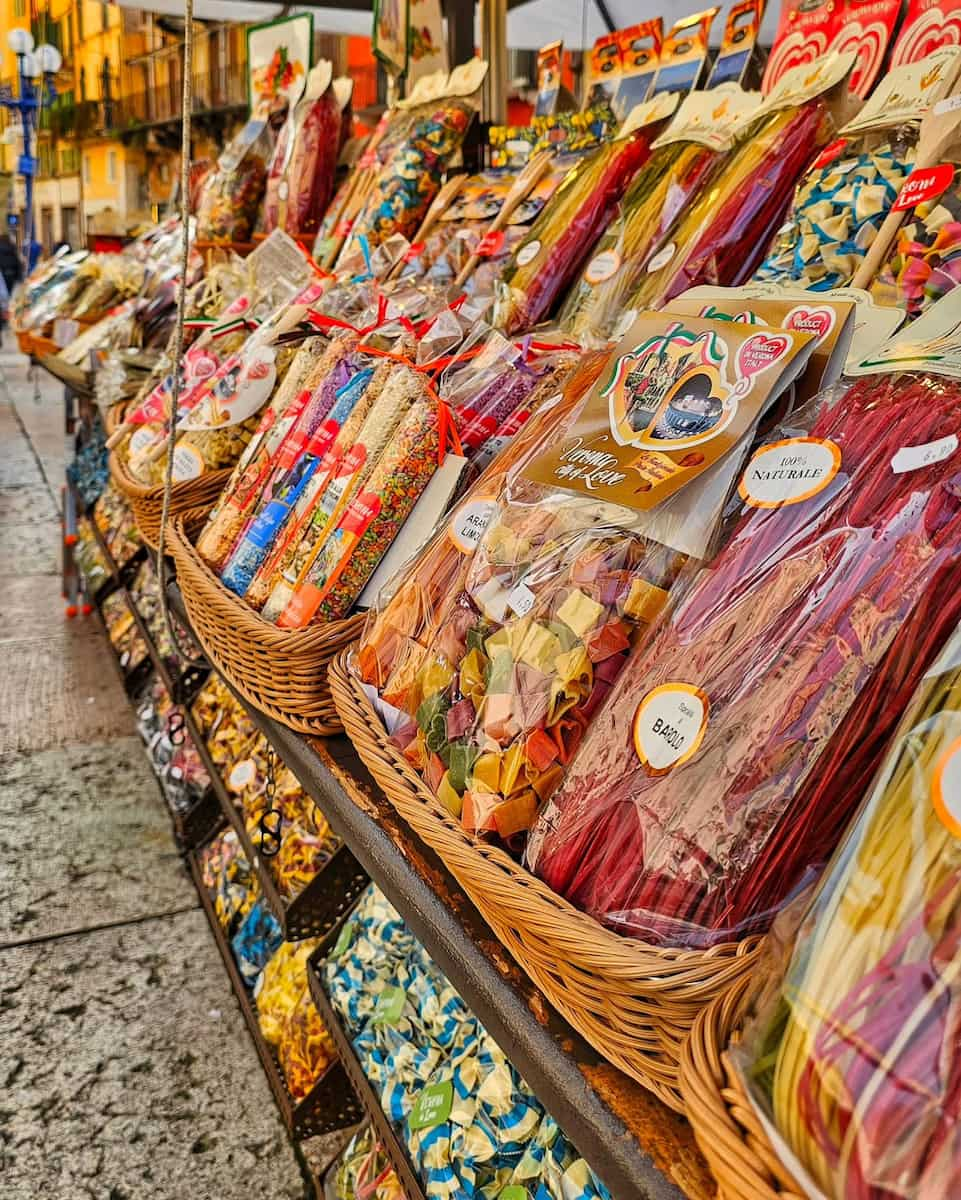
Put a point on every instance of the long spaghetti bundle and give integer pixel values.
(721, 238)
(855, 1056)
(802, 644)
(559, 240)
(663, 187)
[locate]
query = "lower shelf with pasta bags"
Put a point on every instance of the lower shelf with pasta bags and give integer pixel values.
(702, 789)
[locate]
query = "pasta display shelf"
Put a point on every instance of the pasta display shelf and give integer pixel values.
(324, 901)
(386, 1135)
(330, 1104)
(638, 1147)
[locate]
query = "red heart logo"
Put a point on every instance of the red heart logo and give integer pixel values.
(819, 321)
(761, 351)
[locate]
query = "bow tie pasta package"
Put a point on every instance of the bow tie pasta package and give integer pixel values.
(843, 200)
(737, 742)
(576, 559)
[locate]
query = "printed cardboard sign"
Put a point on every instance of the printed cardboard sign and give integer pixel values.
(865, 26)
(549, 61)
(676, 395)
(928, 24)
(603, 71)
(809, 30)
(830, 322)
(924, 184)
(737, 45)
(931, 343)
(684, 53)
(640, 47)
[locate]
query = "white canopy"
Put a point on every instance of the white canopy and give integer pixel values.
(326, 20)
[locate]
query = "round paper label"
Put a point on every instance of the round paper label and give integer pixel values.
(242, 774)
(602, 267)
(628, 317)
(669, 725)
(789, 471)
(946, 788)
(661, 258)
(527, 253)
(188, 463)
(468, 523)
(141, 438)
(282, 189)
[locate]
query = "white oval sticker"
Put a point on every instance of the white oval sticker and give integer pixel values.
(789, 471)
(602, 267)
(527, 253)
(628, 317)
(661, 258)
(188, 463)
(141, 438)
(669, 725)
(242, 774)
(468, 523)
(946, 788)
(912, 458)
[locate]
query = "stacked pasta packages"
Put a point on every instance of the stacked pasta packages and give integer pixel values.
(691, 152)
(843, 200)
(721, 238)
(275, 971)
(366, 444)
(548, 259)
(471, 1124)
(389, 193)
(228, 374)
(502, 643)
(735, 746)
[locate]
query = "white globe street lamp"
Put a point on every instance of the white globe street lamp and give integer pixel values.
(20, 41)
(49, 59)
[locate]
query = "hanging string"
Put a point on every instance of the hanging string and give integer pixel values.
(186, 114)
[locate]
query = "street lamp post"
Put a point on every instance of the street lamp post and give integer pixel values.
(45, 61)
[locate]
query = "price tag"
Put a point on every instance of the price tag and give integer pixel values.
(521, 600)
(912, 458)
(390, 1005)
(432, 1106)
(528, 253)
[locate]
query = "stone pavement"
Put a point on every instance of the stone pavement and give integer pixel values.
(127, 1071)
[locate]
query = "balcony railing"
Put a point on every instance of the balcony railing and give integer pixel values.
(218, 89)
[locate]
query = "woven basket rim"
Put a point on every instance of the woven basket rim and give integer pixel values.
(347, 690)
(247, 619)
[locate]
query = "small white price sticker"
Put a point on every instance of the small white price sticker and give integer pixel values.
(912, 458)
(661, 258)
(528, 253)
(521, 600)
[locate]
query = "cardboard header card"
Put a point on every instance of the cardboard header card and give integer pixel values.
(735, 62)
(684, 53)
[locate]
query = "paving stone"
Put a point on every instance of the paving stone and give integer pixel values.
(33, 546)
(18, 467)
(56, 691)
(30, 503)
(33, 606)
(84, 840)
(130, 1075)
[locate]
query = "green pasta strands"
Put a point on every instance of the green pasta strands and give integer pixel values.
(853, 1055)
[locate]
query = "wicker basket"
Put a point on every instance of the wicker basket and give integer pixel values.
(146, 500)
(283, 672)
(113, 418)
(728, 1131)
(633, 1002)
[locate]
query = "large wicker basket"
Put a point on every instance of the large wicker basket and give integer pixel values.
(283, 672)
(146, 500)
(728, 1131)
(633, 1002)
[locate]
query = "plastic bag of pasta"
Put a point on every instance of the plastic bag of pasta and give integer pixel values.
(684, 160)
(738, 742)
(230, 195)
(574, 562)
(852, 1054)
(844, 198)
(721, 238)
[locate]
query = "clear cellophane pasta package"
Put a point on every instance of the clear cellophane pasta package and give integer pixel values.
(560, 238)
(490, 670)
(684, 160)
(721, 238)
(851, 1055)
(231, 193)
(726, 762)
(844, 198)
